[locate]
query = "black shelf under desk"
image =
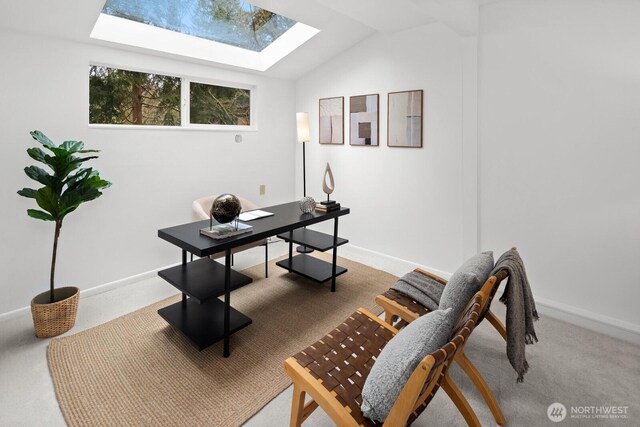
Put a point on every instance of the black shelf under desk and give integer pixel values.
(203, 324)
(203, 279)
(313, 239)
(311, 267)
(201, 315)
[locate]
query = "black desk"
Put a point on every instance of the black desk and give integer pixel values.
(201, 316)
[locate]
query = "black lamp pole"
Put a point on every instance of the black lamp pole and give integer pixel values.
(303, 249)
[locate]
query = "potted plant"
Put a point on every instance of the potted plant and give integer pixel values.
(67, 187)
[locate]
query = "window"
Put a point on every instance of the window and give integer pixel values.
(219, 105)
(231, 32)
(123, 97)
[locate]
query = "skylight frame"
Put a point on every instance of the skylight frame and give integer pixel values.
(126, 32)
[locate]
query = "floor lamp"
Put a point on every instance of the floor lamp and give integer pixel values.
(302, 121)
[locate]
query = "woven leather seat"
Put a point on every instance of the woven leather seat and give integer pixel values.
(334, 369)
(401, 309)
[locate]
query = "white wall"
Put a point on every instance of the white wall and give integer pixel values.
(155, 173)
(405, 202)
(559, 148)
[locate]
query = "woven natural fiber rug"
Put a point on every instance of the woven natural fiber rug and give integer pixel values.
(137, 370)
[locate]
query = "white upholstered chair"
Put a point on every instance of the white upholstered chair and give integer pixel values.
(201, 209)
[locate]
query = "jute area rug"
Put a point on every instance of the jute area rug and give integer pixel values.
(137, 370)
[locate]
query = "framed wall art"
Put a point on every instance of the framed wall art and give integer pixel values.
(331, 129)
(404, 119)
(363, 120)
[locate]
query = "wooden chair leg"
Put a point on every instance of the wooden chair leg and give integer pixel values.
(497, 323)
(459, 400)
(297, 407)
(388, 317)
(482, 386)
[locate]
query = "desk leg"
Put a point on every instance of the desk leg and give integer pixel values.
(184, 264)
(290, 249)
(227, 300)
(335, 254)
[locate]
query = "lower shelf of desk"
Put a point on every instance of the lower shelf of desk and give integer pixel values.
(203, 323)
(311, 267)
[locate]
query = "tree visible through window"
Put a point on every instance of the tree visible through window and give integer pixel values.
(219, 105)
(129, 97)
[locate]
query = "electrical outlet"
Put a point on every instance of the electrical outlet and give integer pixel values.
(263, 189)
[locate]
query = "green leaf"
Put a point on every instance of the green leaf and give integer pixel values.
(73, 180)
(69, 201)
(38, 174)
(28, 192)
(84, 159)
(34, 213)
(37, 154)
(94, 181)
(72, 146)
(48, 200)
(68, 211)
(89, 151)
(87, 194)
(42, 139)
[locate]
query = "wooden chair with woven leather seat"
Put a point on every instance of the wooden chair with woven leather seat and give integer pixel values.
(334, 369)
(401, 309)
(201, 208)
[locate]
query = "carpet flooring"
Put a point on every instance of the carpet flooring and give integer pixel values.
(138, 370)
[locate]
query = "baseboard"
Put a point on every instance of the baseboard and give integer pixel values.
(606, 325)
(616, 328)
(85, 293)
(384, 262)
(610, 326)
(577, 316)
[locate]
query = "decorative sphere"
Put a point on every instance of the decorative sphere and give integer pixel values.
(225, 208)
(307, 204)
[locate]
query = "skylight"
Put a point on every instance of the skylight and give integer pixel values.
(228, 31)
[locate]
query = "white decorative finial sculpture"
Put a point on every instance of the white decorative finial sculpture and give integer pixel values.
(328, 188)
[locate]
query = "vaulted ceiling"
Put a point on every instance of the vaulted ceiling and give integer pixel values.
(342, 23)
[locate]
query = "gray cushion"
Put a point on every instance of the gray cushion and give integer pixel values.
(465, 282)
(399, 359)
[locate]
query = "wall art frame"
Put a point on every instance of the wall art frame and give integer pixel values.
(331, 120)
(364, 120)
(405, 118)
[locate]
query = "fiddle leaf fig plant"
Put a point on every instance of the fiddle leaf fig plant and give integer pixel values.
(64, 189)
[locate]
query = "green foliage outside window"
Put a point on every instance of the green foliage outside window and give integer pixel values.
(128, 97)
(219, 105)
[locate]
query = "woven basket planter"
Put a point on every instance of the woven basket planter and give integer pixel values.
(52, 319)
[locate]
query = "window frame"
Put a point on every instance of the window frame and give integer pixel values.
(185, 101)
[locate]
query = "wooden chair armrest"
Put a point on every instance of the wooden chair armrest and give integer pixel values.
(323, 397)
(406, 402)
(392, 308)
(431, 275)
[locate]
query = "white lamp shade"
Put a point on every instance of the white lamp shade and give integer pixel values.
(302, 120)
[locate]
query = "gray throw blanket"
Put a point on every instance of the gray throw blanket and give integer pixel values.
(421, 288)
(521, 310)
